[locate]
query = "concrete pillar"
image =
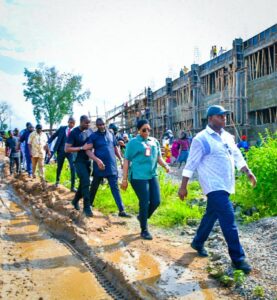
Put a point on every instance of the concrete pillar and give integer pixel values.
(196, 87)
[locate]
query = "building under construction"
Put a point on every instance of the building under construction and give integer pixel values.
(243, 80)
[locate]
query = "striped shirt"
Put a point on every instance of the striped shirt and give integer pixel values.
(215, 157)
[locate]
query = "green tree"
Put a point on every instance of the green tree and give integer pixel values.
(5, 112)
(52, 93)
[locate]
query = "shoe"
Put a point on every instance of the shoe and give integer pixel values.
(74, 190)
(243, 266)
(88, 212)
(57, 184)
(146, 235)
(75, 204)
(200, 250)
(123, 214)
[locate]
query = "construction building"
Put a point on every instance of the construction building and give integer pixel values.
(243, 80)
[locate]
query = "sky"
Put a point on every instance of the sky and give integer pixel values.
(119, 47)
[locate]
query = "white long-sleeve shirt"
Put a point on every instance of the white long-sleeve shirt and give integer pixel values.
(215, 157)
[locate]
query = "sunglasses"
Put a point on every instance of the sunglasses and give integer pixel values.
(146, 129)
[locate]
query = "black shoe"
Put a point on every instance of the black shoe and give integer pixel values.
(75, 204)
(57, 184)
(200, 250)
(88, 212)
(123, 214)
(146, 235)
(243, 266)
(74, 190)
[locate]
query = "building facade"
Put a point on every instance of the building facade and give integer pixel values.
(243, 80)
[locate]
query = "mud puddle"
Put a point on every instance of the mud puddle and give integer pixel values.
(35, 266)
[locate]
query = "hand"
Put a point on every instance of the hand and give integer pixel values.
(124, 185)
(49, 153)
(87, 147)
(252, 178)
(182, 193)
(100, 165)
(167, 169)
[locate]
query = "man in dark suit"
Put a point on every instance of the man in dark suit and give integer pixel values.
(61, 134)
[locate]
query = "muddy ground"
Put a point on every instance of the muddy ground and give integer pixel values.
(165, 268)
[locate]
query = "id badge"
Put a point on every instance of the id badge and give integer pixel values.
(147, 151)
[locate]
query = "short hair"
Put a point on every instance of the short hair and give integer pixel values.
(83, 118)
(99, 120)
(71, 119)
(10, 132)
(39, 126)
(142, 122)
(28, 124)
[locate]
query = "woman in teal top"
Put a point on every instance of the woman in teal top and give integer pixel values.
(142, 155)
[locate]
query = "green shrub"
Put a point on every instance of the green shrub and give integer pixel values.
(259, 291)
(263, 163)
(239, 277)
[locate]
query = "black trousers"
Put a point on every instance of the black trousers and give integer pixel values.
(60, 161)
(83, 171)
(15, 160)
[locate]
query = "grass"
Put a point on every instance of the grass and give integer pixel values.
(172, 211)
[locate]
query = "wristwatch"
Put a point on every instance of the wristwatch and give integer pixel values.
(81, 148)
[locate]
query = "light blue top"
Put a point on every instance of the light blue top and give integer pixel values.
(142, 166)
(214, 156)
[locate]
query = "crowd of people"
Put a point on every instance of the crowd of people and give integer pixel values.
(212, 153)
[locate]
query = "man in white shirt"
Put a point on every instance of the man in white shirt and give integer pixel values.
(214, 155)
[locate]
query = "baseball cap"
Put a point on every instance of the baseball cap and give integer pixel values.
(216, 110)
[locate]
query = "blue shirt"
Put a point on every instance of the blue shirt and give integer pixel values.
(214, 156)
(24, 138)
(104, 144)
(142, 166)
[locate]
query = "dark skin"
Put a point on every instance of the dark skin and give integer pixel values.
(90, 153)
(216, 122)
(144, 132)
(84, 125)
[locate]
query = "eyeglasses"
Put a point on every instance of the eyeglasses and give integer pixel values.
(146, 129)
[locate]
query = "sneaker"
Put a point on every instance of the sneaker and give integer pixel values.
(57, 184)
(243, 266)
(146, 235)
(200, 250)
(75, 204)
(73, 190)
(88, 212)
(123, 214)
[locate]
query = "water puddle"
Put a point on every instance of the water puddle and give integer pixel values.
(35, 266)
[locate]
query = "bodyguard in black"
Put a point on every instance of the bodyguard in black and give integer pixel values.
(103, 153)
(76, 142)
(61, 134)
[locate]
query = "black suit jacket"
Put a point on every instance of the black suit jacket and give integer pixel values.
(61, 135)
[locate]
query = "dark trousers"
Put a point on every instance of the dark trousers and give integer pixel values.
(28, 162)
(60, 161)
(148, 193)
(83, 172)
(220, 207)
(114, 188)
(15, 160)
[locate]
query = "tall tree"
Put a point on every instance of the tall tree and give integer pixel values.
(5, 111)
(52, 93)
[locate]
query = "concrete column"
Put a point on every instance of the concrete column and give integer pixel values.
(195, 81)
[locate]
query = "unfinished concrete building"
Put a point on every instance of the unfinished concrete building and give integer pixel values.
(243, 80)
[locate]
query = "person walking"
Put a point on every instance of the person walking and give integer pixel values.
(37, 143)
(27, 155)
(103, 151)
(184, 145)
(13, 152)
(142, 155)
(77, 142)
(61, 134)
(214, 155)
